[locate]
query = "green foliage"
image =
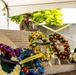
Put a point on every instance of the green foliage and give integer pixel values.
(51, 17)
(17, 18)
(4, 11)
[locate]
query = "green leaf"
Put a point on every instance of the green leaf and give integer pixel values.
(51, 17)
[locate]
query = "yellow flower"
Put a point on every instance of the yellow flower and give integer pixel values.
(43, 56)
(31, 54)
(37, 52)
(29, 43)
(34, 33)
(42, 59)
(37, 49)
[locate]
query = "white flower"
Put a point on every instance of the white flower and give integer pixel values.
(14, 58)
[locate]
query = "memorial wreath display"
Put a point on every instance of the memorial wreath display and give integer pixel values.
(28, 60)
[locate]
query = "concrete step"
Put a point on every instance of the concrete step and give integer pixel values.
(19, 38)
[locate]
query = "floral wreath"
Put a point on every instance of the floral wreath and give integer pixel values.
(36, 39)
(14, 57)
(59, 53)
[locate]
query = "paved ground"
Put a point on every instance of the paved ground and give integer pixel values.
(66, 73)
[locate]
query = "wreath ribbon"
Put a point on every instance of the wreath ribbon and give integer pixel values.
(24, 60)
(31, 58)
(9, 61)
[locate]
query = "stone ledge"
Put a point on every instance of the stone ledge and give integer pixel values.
(59, 68)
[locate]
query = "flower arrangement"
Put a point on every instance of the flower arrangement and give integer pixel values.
(38, 39)
(17, 61)
(35, 36)
(60, 54)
